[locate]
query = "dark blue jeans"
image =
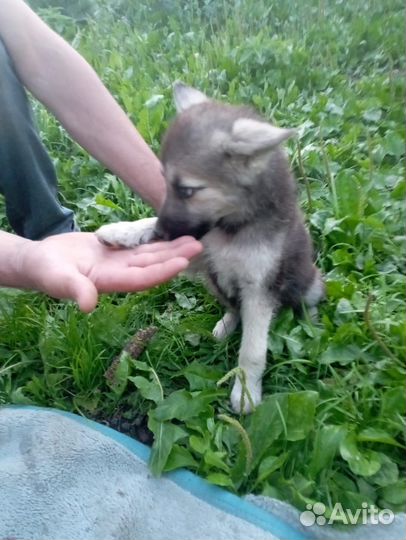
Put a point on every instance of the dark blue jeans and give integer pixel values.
(27, 176)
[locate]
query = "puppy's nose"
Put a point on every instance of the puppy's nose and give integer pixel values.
(160, 232)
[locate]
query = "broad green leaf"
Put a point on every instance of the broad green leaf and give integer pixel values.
(353, 501)
(297, 489)
(216, 459)
(319, 218)
(395, 493)
(302, 484)
(87, 403)
(165, 435)
(294, 342)
(199, 444)
(301, 410)
(197, 424)
(340, 354)
(200, 376)
(344, 309)
(343, 257)
(148, 389)
(387, 474)
(350, 199)
(269, 465)
(186, 302)
(141, 366)
(344, 482)
(394, 144)
(220, 479)
(376, 435)
(367, 488)
(265, 425)
(332, 108)
(364, 463)
(18, 397)
(332, 224)
(271, 491)
(399, 190)
(193, 339)
(326, 445)
(180, 457)
(372, 115)
(183, 405)
(394, 402)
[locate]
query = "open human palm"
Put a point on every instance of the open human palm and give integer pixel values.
(79, 267)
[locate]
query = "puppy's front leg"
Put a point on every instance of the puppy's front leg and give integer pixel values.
(256, 315)
(128, 234)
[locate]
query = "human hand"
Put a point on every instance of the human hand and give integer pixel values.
(79, 267)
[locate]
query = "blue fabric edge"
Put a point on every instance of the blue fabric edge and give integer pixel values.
(200, 488)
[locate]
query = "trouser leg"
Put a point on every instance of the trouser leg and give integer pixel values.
(27, 176)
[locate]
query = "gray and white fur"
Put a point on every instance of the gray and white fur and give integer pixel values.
(229, 184)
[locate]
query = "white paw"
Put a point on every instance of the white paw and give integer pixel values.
(128, 234)
(226, 326)
(240, 401)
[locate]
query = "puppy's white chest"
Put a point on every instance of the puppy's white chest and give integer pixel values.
(239, 260)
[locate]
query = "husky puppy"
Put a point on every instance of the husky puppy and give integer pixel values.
(229, 184)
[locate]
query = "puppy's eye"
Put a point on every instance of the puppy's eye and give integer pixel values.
(185, 192)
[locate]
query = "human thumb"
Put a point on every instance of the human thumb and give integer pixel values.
(83, 291)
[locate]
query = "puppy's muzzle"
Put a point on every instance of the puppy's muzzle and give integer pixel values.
(168, 228)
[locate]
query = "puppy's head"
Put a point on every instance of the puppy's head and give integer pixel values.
(213, 155)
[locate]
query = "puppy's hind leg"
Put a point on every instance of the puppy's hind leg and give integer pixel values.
(256, 314)
(226, 325)
(314, 294)
(316, 290)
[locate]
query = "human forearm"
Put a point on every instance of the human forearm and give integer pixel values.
(96, 122)
(66, 84)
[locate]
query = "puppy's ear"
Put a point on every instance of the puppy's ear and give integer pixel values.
(186, 96)
(249, 137)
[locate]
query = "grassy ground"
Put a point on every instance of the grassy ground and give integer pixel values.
(331, 427)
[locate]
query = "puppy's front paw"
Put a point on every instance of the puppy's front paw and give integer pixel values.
(240, 401)
(128, 234)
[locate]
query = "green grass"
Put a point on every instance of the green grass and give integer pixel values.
(331, 428)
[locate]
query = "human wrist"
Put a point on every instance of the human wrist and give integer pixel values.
(14, 265)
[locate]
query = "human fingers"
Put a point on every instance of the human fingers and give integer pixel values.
(133, 279)
(165, 244)
(187, 250)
